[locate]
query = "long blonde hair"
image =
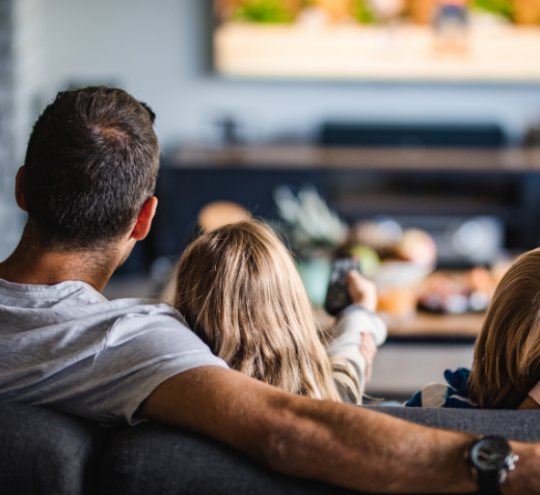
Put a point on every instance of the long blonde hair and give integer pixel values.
(507, 354)
(239, 290)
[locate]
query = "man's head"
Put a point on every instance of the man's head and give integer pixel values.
(91, 164)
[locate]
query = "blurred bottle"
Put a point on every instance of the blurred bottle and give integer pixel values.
(451, 22)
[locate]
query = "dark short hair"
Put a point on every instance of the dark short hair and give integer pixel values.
(91, 163)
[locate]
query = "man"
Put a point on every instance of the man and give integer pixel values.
(87, 185)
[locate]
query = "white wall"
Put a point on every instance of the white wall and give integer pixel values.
(151, 48)
(30, 53)
(22, 77)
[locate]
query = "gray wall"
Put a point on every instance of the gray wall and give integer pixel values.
(153, 49)
(10, 218)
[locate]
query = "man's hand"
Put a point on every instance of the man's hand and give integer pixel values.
(368, 349)
(362, 290)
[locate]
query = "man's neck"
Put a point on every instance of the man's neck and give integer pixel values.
(42, 266)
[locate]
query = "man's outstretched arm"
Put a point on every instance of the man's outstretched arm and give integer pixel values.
(344, 445)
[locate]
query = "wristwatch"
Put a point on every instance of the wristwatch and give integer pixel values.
(491, 459)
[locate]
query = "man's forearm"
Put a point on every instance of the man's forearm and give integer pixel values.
(372, 452)
(339, 444)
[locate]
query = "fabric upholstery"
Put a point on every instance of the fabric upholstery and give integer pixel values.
(43, 452)
(153, 458)
(523, 426)
(46, 452)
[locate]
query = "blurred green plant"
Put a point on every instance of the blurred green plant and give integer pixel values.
(502, 8)
(263, 12)
(307, 221)
(363, 13)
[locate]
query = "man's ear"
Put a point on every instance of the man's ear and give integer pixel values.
(19, 196)
(144, 220)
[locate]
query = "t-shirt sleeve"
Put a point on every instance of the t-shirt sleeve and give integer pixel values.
(140, 353)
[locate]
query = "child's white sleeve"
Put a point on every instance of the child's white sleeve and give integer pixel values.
(345, 338)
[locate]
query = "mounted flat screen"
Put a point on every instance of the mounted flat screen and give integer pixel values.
(396, 40)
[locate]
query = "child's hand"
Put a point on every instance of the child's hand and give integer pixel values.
(368, 349)
(362, 290)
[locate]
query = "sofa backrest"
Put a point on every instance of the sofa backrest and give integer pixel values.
(523, 426)
(47, 452)
(44, 452)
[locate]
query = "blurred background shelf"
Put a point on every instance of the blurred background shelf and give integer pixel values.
(427, 188)
(396, 157)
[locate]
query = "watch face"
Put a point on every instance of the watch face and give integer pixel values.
(490, 454)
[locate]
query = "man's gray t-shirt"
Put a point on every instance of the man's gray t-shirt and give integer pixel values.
(68, 347)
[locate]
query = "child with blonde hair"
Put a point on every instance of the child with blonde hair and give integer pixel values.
(238, 289)
(506, 365)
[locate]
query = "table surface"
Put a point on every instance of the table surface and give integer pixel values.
(433, 325)
(424, 326)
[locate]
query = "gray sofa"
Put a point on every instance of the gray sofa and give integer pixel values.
(46, 452)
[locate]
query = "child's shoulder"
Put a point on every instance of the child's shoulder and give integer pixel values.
(453, 395)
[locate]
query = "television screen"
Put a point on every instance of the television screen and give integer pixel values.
(467, 40)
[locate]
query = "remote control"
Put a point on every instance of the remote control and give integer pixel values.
(338, 297)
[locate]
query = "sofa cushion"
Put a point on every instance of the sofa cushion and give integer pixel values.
(46, 452)
(153, 458)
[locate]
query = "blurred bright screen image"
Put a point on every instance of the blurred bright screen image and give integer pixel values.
(467, 40)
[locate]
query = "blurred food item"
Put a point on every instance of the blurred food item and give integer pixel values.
(396, 260)
(501, 265)
(398, 283)
(397, 303)
(219, 213)
(480, 279)
(457, 292)
(371, 235)
(391, 243)
(417, 246)
(369, 260)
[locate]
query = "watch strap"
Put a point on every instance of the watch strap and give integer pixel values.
(488, 484)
